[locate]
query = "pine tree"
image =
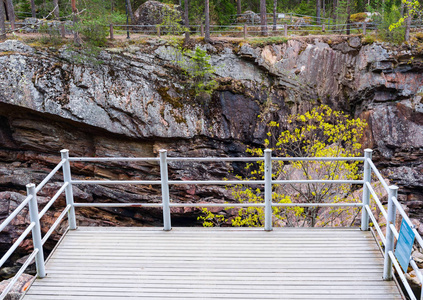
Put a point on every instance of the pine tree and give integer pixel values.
(263, 17)
(2, 22)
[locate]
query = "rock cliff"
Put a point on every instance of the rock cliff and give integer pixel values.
(132, 101)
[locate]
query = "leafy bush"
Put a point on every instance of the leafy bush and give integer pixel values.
(50, 35)
(320, 132)
(393, 35)
(197, 67)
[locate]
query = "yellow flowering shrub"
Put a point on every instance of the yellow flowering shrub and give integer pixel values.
(321, 132)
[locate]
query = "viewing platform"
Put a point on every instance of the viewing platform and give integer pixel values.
(203, 263)
(268, 262)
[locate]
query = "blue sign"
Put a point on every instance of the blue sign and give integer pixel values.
(404, 245)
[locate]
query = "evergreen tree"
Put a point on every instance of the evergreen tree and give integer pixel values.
(263, 17)
(2, 22)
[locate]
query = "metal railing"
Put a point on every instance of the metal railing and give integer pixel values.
(35, 216)
(389, 215)
(164, 182)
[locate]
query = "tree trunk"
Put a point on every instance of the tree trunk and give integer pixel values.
(348, 15)
(402, 9)
(408, 22)
(76, 38)
(207, 13)
(263, 17)
(2, 22)
(318, 6)
(238, 7)
(186, 22)
(131, 14)
(11, 13)
(324, 9)
(34, 14)
(56, 8)
(334, 11)
(275, 5)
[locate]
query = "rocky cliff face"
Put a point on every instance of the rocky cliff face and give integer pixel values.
(133, 102)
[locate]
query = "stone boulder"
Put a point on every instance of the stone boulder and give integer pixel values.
(18, 288)
(249, 17)
(154, 12)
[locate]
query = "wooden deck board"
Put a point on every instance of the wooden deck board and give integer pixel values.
(189, 263)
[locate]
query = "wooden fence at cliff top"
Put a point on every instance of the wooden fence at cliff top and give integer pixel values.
(288, 25)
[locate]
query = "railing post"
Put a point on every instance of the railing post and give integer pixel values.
(245, 31)
(387, 266)
(364, 28)
(366, 194)
(285, 30)
(111, 32)
(165, 190)
(36, 231)
(158, 30)
(268, 190)
(323, 27)
(68, 189)
(202, 30)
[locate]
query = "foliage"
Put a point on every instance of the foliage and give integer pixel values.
(50, 35)
(320, 132)
(263, 41)
(172, 22)
(197, 67)
(413, 8)
(388, 33)
(368, 39)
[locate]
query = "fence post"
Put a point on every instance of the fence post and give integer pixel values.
(268, 190)
(158, 30)
(290, 20)
(285, 29)
(202, 30)
(364, 28)
(68, 189)
(165, 190)
(245, 31)
(367, 177)
(36, 230)
(323, 27)
(387, 265)
(111, 32)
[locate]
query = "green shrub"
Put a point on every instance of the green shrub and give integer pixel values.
(50, 35)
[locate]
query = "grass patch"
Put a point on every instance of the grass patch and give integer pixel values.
(263, 41)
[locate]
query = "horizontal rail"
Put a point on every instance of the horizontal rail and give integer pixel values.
(318, 181)
(19, 273)
(113, 159)
(317, 204)
(55, 224)
(218, 204)
(376, 198)
(378, 175)
(50, 175)
(253, 159)
(394, 230)
(116, 182)
(217, 182)
(376, 225)
(418, 271)
(317, 158)
(401, 275)
(16, 244)
(15, 213)
(117, 205)
(407, 219)
(50, 203)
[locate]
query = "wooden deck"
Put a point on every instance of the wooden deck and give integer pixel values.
(202, 263)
